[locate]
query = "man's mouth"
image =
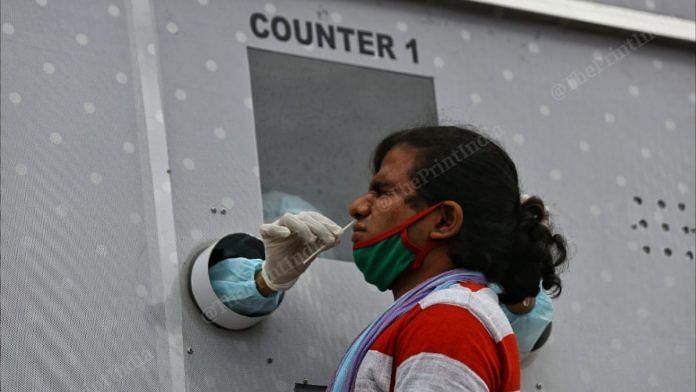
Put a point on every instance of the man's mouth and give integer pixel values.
(358, 232)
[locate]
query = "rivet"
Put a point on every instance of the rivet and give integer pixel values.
(189, 350)
(213, 210)
(305, 381)
(223, 211)
(269, 360)
(169, 171)
(539, 387)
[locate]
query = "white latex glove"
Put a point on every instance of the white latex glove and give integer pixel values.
(289, 241)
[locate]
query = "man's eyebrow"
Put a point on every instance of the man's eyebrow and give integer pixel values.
(379, 185)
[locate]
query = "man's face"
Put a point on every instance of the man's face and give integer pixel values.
(383, 206)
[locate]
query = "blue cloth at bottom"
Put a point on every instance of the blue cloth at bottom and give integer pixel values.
(233, 282)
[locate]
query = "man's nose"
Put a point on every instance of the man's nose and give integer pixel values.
(361, 207)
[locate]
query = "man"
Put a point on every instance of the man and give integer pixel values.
(441, 221)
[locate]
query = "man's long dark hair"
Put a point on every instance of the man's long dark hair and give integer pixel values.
(500, 236)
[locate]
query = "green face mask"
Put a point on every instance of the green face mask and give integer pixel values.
(385, 256)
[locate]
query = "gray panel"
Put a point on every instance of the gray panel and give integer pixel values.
(627, 130)
(81, 286)
(303, 340)
(77, 310)
(317, 120)
(214, 164)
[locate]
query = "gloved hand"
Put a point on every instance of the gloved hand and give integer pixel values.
(289, 241)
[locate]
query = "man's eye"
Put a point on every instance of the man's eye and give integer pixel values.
(379, 191)
(386, 192)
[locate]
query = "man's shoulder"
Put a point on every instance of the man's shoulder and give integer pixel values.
(462, 294)
(463, 300)
(463, 311)
(461, 331)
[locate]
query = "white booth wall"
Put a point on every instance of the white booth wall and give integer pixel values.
(679, 8)
(99, 99)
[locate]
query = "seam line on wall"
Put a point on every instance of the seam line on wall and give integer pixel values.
(143, 35)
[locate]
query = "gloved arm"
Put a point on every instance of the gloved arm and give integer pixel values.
(233, 282)
(289, 241)
(528, 327)
(529, 320)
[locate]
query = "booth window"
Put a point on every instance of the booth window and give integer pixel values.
(317, 123)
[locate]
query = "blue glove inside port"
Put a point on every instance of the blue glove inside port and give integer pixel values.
(233, 282)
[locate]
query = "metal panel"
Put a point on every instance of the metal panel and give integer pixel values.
(606, 15)
(158, 188)
(678, 8)
(214, 164)
(622, 129)
(78, 307)
(608, 143)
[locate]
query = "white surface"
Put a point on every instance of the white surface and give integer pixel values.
(605, 15)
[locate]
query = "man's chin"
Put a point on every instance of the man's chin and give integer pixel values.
(358, 236)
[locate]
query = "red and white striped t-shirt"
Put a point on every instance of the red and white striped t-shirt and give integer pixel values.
(455, 339)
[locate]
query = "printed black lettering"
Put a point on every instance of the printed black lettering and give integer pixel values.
(283, 35)
(413, 45)
(298, 32)
(346, 32)
(308, 32)
(385, 43)
(254, 21)
(327, 35)
(365, 42)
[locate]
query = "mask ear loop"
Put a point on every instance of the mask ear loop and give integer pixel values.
(420, 256)
(421, 253)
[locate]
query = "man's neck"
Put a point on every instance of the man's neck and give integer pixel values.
(435, 263)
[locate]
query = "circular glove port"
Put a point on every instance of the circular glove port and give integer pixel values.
(230, 246)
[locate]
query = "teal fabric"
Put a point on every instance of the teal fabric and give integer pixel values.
(233, 282)
(529, 327)
(372, 261)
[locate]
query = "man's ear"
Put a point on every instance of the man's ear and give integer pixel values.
(449, 221)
